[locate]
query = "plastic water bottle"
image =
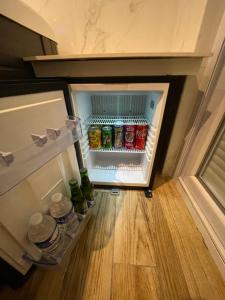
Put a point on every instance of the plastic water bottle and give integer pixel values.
(44, 233)
(62, 210)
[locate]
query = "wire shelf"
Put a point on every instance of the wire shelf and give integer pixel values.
(111, 120)
(127, 167)
(116, 150)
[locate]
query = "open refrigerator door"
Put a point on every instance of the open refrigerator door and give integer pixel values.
(37, 160)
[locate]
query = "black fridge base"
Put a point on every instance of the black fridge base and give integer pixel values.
(146, 190)
(11, 277)
(121, 187)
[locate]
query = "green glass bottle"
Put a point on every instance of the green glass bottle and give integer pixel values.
(86, 186)
(77, 197)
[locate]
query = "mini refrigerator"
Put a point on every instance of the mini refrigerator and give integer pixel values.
(38, 157)
(129, 104)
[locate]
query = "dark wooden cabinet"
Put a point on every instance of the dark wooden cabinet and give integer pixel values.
(16, 42)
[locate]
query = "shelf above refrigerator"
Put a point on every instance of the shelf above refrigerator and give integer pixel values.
(115, 150)
(111, 120)
(16, 166)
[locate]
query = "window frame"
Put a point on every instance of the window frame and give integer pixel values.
(208, 155)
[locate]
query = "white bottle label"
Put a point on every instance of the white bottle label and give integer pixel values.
(67, 218)
(51, 240)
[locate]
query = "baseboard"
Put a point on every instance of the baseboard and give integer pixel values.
(213, 244)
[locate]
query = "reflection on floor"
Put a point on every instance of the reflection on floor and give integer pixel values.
(132, 248)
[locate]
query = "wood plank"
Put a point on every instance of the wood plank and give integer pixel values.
(170, 274)
(43, 284)
(133, 242)
(202, 276)
(136, 232)
(134, 283)
(89, 273)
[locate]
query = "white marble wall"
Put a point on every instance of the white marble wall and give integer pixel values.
(99, 26)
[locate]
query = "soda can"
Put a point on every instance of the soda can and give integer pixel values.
(141, 136)
(129, 136)
(118, 135)
(107, 137)
(95, 137)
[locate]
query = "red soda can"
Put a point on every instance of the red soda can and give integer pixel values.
(129, 136)
(141, 136)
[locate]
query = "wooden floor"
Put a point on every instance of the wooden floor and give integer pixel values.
(132, 248)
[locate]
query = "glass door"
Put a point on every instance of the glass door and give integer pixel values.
(212, 170)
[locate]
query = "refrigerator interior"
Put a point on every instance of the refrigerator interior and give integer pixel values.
(135, 104)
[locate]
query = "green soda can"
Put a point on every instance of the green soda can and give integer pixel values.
(107, 137)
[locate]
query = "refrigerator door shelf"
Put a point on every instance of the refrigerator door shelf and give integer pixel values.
(111, 120)
(68, 244)
(34, 156)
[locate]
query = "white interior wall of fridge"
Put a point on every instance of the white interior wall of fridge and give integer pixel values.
(131, 104)
(20, 116)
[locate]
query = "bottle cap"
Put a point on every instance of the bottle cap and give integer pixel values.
(83, 170)
(73, 181)
(57, 197)
(36, 219)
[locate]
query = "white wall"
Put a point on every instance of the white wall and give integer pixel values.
(193, 95)
(98, 26)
